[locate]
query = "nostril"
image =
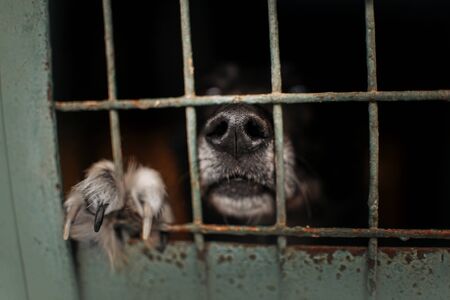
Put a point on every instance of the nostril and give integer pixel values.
(255, 129)
(217, 130)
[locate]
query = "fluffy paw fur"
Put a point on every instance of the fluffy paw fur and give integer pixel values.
(105, 208)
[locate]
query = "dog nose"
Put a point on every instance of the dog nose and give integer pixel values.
(238, 130)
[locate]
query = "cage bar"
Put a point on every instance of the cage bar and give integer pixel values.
(312, 232)
(191, 126)
(372, 253)
(112, 90)
(184, 101)
(188, 64)
(278, 134)
(277, 112)
(274, 47)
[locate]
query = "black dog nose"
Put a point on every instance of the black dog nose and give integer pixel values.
(238, 130)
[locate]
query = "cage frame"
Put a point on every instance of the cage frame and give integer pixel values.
(40, 262)
(277, 98)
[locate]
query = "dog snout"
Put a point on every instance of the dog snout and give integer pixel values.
(238, 130)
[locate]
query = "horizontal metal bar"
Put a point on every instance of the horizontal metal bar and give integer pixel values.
(93, 105)
(298, 231)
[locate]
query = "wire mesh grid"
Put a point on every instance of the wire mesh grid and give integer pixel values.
(190, 100)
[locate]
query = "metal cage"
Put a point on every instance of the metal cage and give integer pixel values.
(288, 272)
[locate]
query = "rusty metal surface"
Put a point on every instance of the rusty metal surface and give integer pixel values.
(93, 105)
(112, 89)
(191, 131)
(371, 60)
(250, 272)
(275, 65)
(229, 271)
(403, 234)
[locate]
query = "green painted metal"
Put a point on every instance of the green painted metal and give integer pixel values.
(36, 264)
(12, 281)
(251, 272)
(29, 174)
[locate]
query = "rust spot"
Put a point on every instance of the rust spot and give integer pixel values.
(330, 258)
(252, 256)
(313, 250)
(358, 270)
(49, 93)
(183, 255)
(371, 264)
(231, 281)
(201, 255)
(342, 268)
(409, 258)
(168, 260)
(148, 254)
(179, 265)
(224, 258)
(338, 276)
(421, 252)
(271, 288)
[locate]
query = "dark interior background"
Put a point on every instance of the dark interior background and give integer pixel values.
(322, 49)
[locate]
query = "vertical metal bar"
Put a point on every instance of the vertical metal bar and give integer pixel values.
(373, 147)
(279, 165)
(112, 90)
(188, 65)
(274, 47)
(279, 138)
(189, 90)
(277, 112)
(191, 128)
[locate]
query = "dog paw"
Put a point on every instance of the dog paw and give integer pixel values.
(146, 196)
(100, 193)
(137, 197)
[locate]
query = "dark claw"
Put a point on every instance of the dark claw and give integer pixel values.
(163, 236)
(99, 217)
